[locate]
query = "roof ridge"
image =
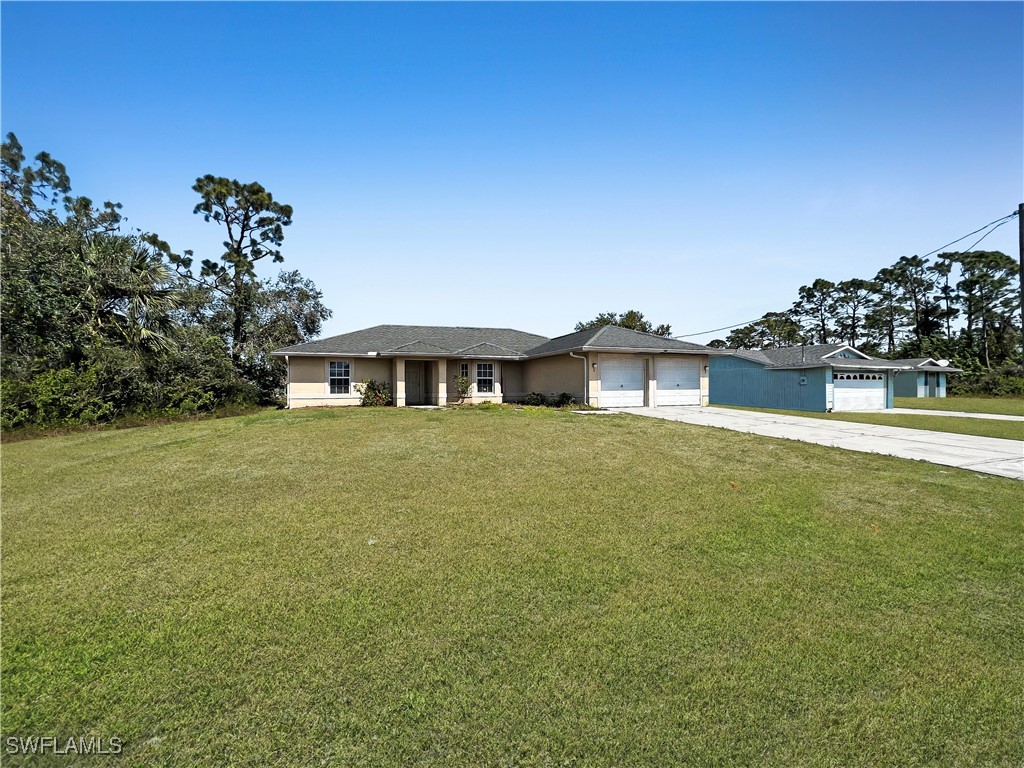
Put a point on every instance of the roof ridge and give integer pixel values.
(645, 333)
(451, 327)
(489, 343)
(417, 341)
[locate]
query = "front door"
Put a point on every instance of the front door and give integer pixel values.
(415, 382)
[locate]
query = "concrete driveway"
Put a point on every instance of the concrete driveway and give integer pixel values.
(979, 454)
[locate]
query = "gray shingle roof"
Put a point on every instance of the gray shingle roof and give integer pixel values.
(420, 348)
(927, 364)
(614, 337)
(440, 341)
(806, 354)
(751, 354)
(816, 356)
(842, 362)
(396, 340)
(487, 349)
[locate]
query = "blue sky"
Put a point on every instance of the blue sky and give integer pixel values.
(531, 165)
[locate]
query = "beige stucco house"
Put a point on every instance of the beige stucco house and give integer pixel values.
(605, 367)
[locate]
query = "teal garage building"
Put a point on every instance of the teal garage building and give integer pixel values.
(820, 377)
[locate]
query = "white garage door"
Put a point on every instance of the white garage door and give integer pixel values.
(678, 381)
(622, 382)
(858, 391)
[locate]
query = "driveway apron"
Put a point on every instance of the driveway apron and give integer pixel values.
(990, 455)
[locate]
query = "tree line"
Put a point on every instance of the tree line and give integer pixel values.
(101, 321)
(959, 306)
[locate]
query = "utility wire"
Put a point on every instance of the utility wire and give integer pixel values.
(998, 223)
(713, 330)
(997, 226)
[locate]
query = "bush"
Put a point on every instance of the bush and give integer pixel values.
(1007, 381)
(461, 385)
(564, 399)
(92, 393)
(112, 384)
(535, 398)
(375, 393)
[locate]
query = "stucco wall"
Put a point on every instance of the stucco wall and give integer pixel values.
(513, 380)
(594, 390)
(553, 375)
(308, 379)
(453, 368)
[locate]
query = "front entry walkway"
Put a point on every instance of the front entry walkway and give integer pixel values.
(979, 454)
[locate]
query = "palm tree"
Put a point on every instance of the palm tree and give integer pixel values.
(132, 293)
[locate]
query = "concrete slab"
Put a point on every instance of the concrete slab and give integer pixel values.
(958, 414)
(990, 455)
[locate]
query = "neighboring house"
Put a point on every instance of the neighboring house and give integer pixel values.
(607, 366)
(822, 377)
(929, 381)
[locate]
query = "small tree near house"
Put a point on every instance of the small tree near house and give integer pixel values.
(461, 384)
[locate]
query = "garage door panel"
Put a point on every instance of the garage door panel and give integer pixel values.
(622, 382)
(858, 391)
(678, 381)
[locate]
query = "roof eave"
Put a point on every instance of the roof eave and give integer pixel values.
(446, 356)
(831, 364)
(645, 350)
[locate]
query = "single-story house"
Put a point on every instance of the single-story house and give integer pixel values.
(930, 380)
(821, 377)
(606, 366)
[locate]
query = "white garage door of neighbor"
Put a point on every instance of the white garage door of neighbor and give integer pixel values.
(858, 391)
(678, 382)
(622, 382)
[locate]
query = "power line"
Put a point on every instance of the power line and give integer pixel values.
(997, 226)
(1001, 221)
(713, 330)
(998, 223)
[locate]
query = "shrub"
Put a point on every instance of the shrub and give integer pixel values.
(375, 393)
(95, 392)
(1007, 381)
(461, 384)
(564, 399)
(535, 398)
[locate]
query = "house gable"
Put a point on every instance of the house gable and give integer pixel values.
(848, 353)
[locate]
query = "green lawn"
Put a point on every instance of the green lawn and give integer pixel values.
(1009, 406)
(1006, 430)
(357, 587)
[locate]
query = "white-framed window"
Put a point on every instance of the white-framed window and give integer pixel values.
(464, 369)
(484, 378)
(340, 377)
